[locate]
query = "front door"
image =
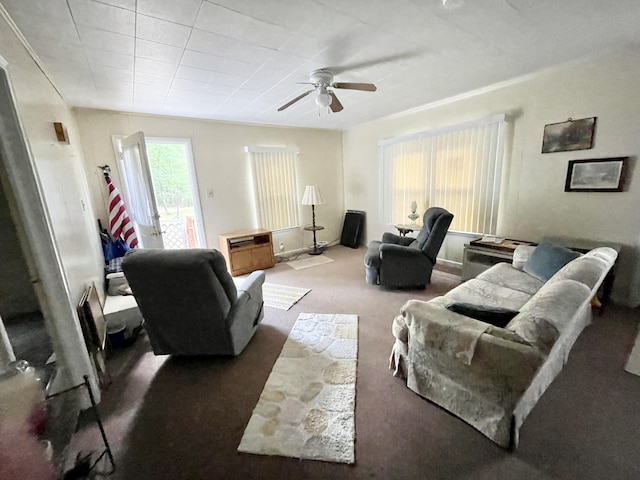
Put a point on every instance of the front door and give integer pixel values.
(137, 188)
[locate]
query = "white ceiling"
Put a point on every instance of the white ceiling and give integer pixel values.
(239, 60)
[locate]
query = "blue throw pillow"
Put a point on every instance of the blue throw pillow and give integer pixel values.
(497, 316)
(547, 259)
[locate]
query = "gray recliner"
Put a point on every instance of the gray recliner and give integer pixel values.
(405, 262)
(190, 303)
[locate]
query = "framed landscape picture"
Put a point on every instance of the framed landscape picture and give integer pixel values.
(569, 135)
(596, 175)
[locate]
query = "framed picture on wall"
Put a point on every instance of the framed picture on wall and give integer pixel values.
(569, 135)
(596, 175)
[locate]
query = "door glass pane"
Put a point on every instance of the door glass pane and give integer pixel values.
(172, 184)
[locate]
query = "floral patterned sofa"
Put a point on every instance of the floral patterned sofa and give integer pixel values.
(492, 376)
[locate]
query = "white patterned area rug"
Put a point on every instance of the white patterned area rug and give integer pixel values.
(633, 363)
(309, 262)
(307, 407)
(281, 296)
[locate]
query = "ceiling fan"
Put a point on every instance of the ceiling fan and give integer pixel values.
(322, 81)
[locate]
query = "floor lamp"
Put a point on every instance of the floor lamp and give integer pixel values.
(313, 197)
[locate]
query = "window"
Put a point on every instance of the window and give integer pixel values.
(457, 168)
(274, 184)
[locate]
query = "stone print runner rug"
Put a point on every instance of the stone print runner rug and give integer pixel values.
(281, 296)
(307, 407)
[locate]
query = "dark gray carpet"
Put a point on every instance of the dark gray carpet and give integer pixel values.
(183, 418)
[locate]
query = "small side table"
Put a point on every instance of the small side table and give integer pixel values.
(314, 228)
(404, 229)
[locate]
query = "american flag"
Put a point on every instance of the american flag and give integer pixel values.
(119, 221)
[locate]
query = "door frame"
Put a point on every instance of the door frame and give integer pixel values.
(193, 179)
(30, 214)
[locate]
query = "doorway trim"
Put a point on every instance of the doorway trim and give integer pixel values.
(26, 202)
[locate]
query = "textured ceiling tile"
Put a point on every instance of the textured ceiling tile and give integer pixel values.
(115, 74)
(106, 17)
(37, 11)
(43, 30)
(227, 80)
(217, 19)
(147, 89)
(152, 79)
(161, 31)
(195, 74)
(109, 41)
(176, 94)
(415, 51)
(144, 65)
(127, 4)
(182, 11)
(217, 64)
(189, 85)
(216, 44)
(109, 59)
(157, 51)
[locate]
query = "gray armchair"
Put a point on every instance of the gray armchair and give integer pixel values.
(406, 261)
(190, 303)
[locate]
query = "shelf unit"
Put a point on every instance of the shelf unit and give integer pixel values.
(247, 250)
(479, 256)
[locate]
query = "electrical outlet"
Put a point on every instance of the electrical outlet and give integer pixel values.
(281, 246)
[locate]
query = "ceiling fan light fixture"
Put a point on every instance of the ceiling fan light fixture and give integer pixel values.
(323, 99)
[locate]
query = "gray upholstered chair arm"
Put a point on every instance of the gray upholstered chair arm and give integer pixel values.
(249, 296)
(392, 238)
(389, 251)
(248, 306)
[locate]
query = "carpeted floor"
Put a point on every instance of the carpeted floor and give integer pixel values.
(174, 418)
(633, 362)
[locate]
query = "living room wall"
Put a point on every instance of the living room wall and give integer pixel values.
(533, 203)
(222, 165)
(62, 186)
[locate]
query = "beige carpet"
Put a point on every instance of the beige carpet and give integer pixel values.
(307, 407)
(633, 363)
(308, 262)
(282, 296)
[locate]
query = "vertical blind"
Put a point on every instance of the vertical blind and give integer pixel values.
(457, 168)
(274, 183)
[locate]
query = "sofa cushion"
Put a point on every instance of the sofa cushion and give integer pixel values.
(482, 292)
(587, 270)
(497, 316)
(536, 330)
(521, 255)
(542, 320)
(547, 258)
(505, 275)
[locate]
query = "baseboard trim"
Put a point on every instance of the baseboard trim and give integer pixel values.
(448, 263)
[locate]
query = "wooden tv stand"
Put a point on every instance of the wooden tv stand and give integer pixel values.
(247, 250)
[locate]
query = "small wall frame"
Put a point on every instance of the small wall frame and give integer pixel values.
(596, 175)
(569, 135)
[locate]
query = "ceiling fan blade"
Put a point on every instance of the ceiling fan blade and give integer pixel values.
(335, 105)
(368, 87)
(288, 104)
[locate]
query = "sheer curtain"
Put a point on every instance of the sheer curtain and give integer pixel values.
(457, 168)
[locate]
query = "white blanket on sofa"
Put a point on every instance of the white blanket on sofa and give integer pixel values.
(457, 336)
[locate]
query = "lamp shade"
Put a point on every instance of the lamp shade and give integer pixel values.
(312, 196)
